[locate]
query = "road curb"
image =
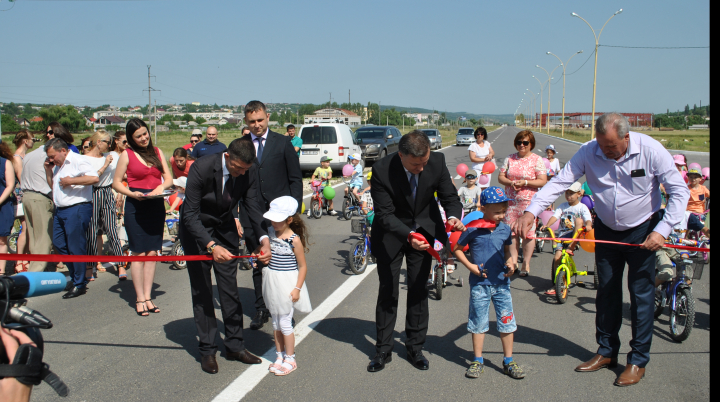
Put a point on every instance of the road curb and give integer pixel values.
(669, 150)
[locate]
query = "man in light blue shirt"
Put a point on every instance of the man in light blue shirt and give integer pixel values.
(625, 170)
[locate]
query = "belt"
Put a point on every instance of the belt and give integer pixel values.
(75, 205)
(98, 187)
(37, 192)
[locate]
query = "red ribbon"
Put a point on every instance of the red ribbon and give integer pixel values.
(106, 258)
(417, 236)
(482, 224)
(677, 246)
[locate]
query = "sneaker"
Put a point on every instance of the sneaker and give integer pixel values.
(332, 212)
(513, 370)
(308, 213)
(476, 368)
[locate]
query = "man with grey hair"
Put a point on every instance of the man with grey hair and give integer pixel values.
(406, 213)
(71, 177)
(624, 169)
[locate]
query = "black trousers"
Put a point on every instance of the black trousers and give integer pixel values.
(416, 319)
(251, 241)
(611, 260)
(202, 298)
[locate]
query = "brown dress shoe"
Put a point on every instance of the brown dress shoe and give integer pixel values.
(244, 356)
(631, 376)
(209, 364)
(596, 363)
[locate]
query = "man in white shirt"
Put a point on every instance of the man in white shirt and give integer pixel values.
(71, 177)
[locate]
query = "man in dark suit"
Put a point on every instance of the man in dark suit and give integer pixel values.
(209, 224)
(279, 173)
(402, 187)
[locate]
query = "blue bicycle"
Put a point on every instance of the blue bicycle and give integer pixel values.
(361, 254)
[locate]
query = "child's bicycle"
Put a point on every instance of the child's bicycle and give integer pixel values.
(172, 222)
(567, 269)
(318, 202)
(351, 205)
(442, 272)
(700, 238)
(677, 293)
(361, 254)
(539, 244)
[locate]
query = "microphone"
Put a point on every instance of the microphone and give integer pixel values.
(30, 284)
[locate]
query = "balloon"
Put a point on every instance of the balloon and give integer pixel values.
(329, 193)
(694, 165)
(461, 169)
(588, 246)
(545, 217)
(454, 236)
(706, 173)
(547, 163)
(302, 208)
(483, 179)
(348, 170)
(472, 216)
(684, 175)
(370, 217)
(488, 167)
(588, 201)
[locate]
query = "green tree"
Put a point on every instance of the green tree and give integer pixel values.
(187, 117)
(274, 117)
(65, 115)
(687, 110)
(200, 120)
(9, 124)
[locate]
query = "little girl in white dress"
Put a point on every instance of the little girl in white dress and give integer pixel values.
(283, 284)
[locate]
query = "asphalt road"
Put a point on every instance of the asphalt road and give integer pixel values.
(105, 352)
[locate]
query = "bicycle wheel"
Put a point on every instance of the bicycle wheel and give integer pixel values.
(439, 282)
(315, 208)
(347, 212)
(682, 316)
(561, 286)
(358, 258)
(659, 302)
(178, 250)
(596, 278)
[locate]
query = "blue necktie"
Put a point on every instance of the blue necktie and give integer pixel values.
(260, 148)
(413, 185)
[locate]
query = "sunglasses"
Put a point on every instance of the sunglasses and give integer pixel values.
(86, 147)
(50, 132)
(124, 142)
(470, 177)
(194, 142)
(518, 143)
(105, 141)
(35, 139)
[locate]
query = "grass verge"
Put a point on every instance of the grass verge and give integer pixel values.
(684, 140)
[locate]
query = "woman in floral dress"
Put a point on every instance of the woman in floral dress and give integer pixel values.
(522, 174)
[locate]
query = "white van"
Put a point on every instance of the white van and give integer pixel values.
(334, 140)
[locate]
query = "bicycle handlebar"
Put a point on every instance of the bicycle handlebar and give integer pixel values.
(575, 235)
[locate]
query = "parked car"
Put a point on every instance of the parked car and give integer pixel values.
(377, 141)
(434, 137)
(465, 136)
(333, 140)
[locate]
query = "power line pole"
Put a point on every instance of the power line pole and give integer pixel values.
(150, 90)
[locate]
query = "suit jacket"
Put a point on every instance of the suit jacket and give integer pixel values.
(204, 218)
(395, 210)
(279, 170)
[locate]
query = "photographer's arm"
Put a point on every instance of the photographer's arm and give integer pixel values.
(12, 390)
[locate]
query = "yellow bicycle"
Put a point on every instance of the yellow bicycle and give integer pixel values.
(567, 269)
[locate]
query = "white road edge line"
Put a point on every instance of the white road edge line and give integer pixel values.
(251, 377)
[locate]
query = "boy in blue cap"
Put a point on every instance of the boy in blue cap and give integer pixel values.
(490, 280)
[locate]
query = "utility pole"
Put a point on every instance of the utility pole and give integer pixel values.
(155, 120)
(349, 104)
(150, 90)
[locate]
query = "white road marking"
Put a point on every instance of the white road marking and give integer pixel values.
(251, 377)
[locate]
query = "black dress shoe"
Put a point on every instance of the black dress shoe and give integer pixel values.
(418, 360)
(261, 317)
(75, 292)
(244, 356)
(378, 362)
(209, 364)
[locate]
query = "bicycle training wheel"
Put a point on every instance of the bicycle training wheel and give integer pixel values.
(561, 286)
(358, 258)
(682, 316)
(178, 250)
(439, 282)
(346, 208)
(315, 208)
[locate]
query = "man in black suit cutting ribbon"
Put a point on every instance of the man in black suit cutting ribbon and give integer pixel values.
(402, 187)
(209, 225)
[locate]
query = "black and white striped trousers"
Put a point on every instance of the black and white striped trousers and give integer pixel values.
(104, 217)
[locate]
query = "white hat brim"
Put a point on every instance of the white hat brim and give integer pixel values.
(274, 216)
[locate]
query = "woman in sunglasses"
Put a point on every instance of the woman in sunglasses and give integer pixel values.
(23, 141)
(84, 145)
(104, 218)
(480, 152)
(118, 145)
(522, 174)
(57, 130)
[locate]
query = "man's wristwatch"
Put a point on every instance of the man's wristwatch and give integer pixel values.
(211, 248)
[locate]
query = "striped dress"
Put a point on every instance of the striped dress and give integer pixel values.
(280, 278)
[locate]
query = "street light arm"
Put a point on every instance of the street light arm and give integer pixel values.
(576, 53)
(546, 71)
(561, 62)
(603, 27)
(588, 24)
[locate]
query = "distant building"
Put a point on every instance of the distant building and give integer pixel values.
(334, 116)
(23, 122)
(110, 120)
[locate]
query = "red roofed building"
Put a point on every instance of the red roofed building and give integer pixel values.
(36, 118)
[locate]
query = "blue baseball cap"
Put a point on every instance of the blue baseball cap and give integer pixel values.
(493, 195)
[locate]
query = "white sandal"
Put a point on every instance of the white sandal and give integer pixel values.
(278, 363)
(287, 367)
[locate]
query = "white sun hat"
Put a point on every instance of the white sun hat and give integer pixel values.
(281, 208)
(180, 182)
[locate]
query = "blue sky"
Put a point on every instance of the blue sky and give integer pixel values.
(474, 56)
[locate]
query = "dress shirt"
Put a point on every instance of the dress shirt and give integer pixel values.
(226, 176)
(33, 174)
(75, 165)
(417, 181)
(255, 139)
(623, 202)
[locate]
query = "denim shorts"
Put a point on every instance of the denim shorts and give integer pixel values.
(358, 186)
(562, 245)
(479, 317)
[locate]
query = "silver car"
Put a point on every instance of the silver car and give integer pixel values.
(465, 136)
(434, 137)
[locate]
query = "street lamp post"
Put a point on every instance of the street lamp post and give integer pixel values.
(597, 44)
(541, 91)
(533, 102)
(563, 105)
(547, 123)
